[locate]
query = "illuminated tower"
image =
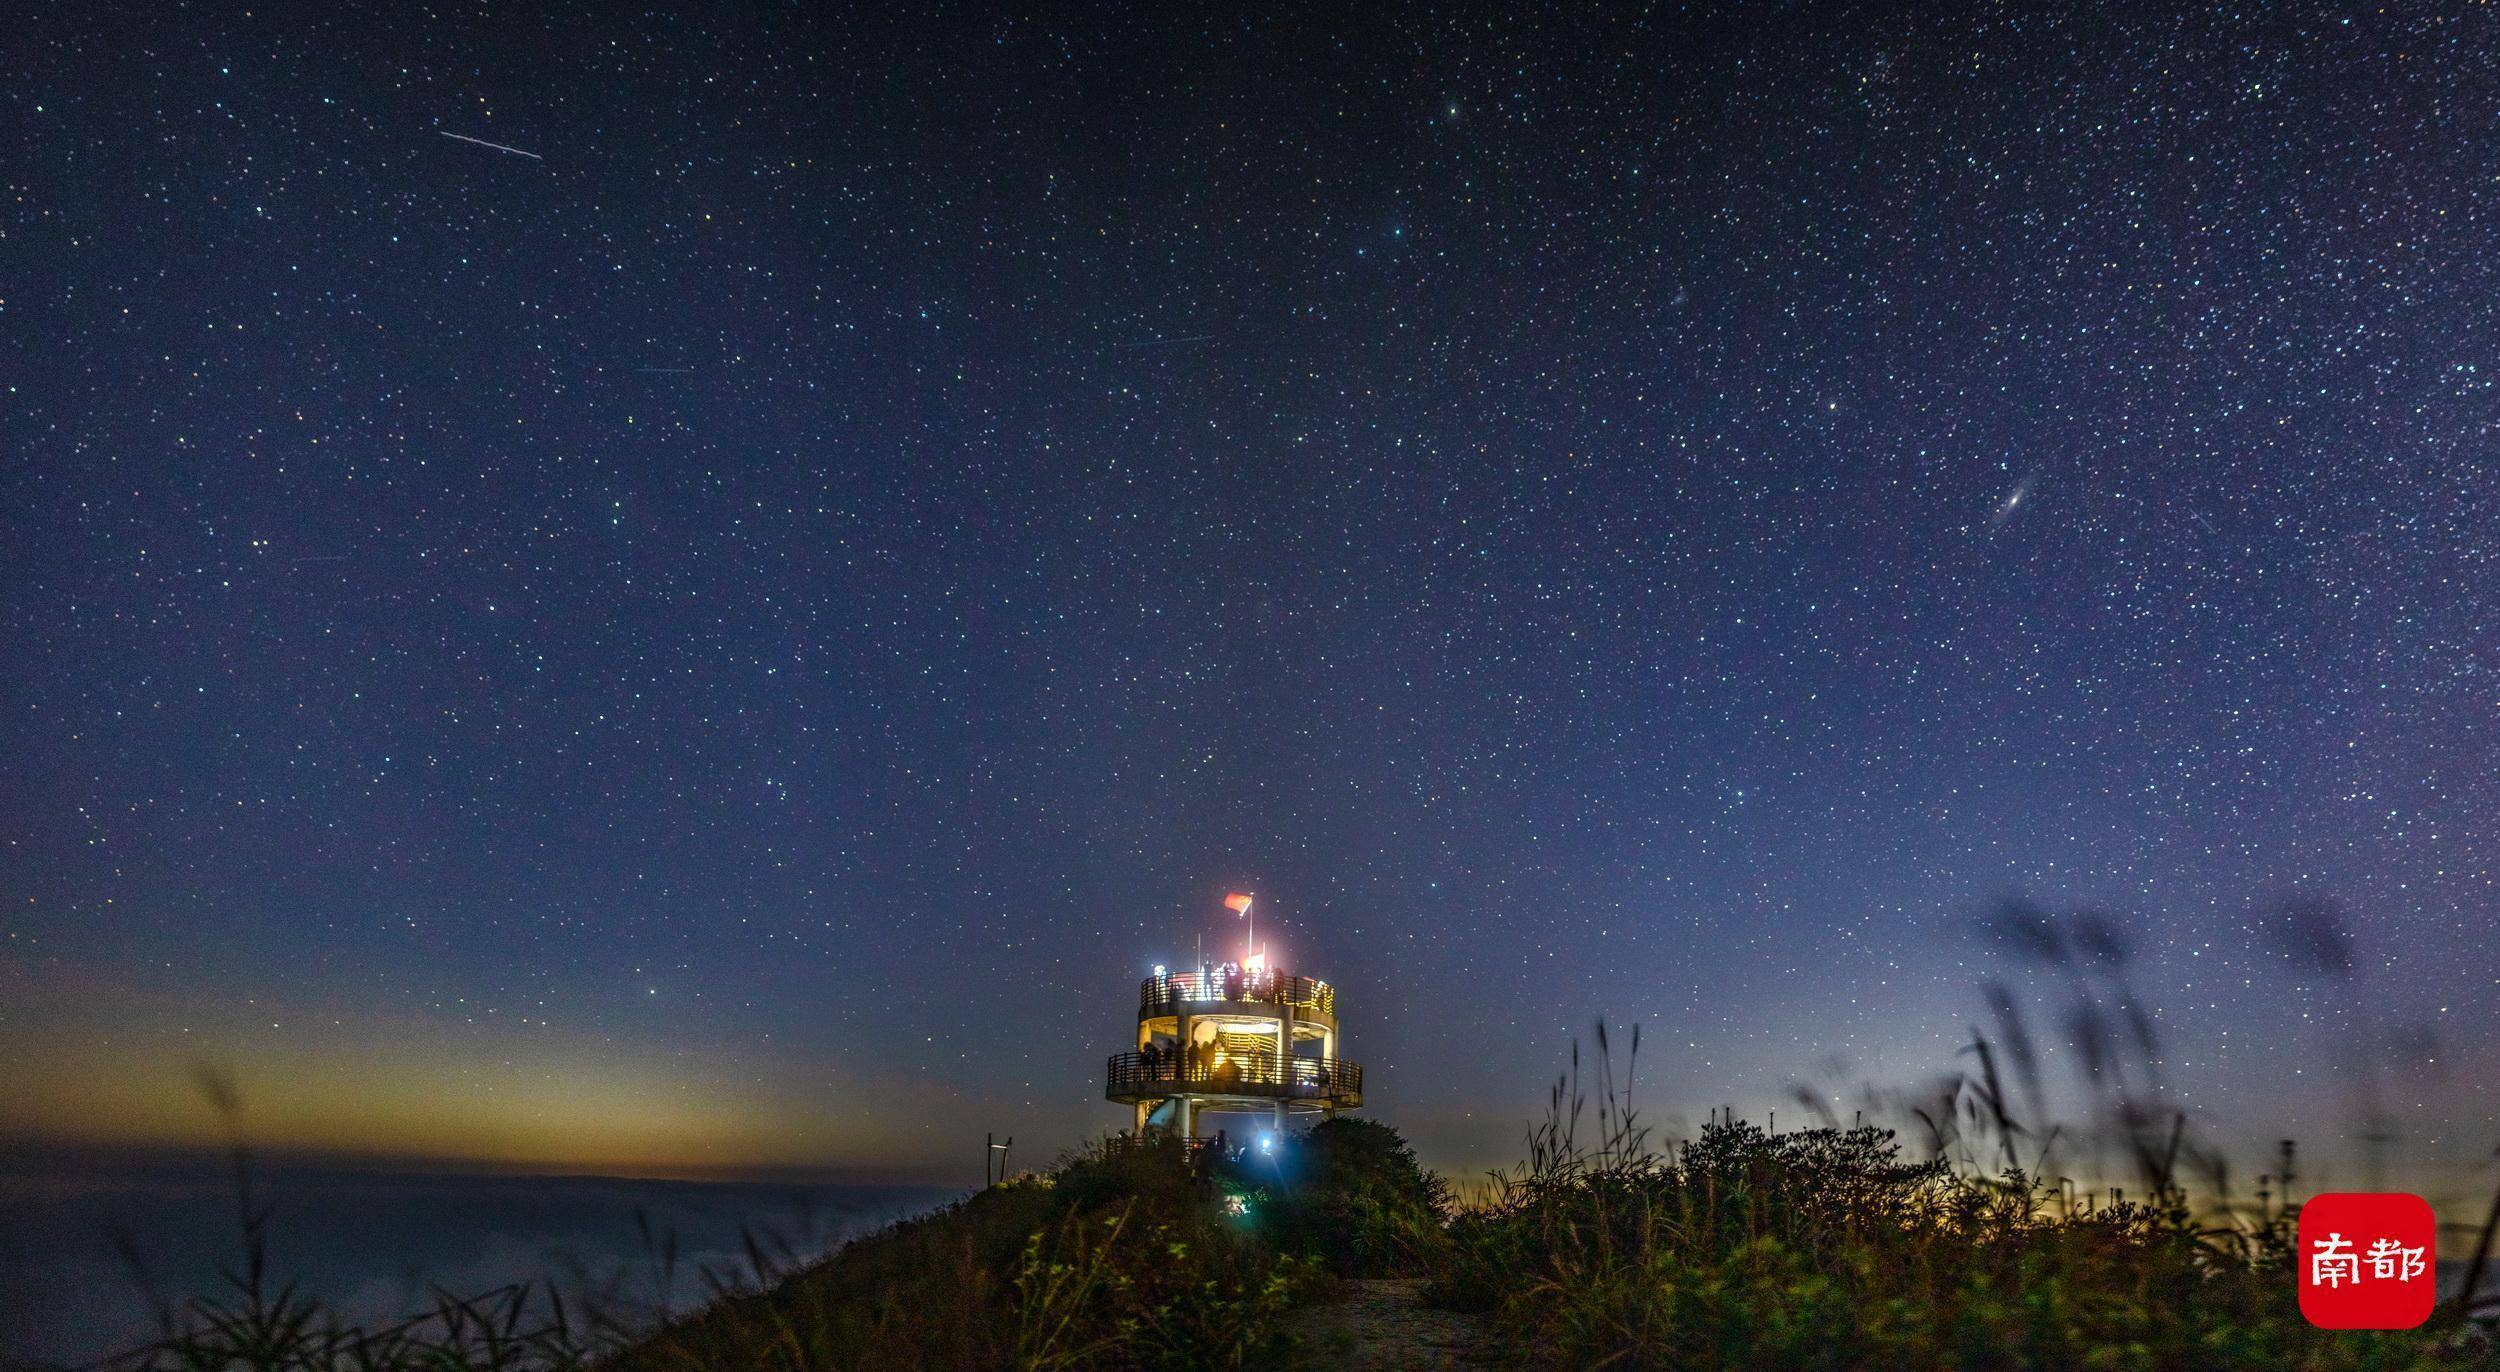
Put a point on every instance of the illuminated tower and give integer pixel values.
(1235, 1038)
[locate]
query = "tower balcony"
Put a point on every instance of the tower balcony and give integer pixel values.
(1324, 1082)
(1170, 994)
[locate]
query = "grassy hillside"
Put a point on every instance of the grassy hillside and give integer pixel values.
(1121, 1257)
(1822, 1248)
(1126, 1255)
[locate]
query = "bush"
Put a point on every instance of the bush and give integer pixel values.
(1825, 1248)
(1349, 1193)
(1121, 1258)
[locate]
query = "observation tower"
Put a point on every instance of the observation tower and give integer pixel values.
(1238, 1037)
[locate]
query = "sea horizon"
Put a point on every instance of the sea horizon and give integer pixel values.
(89, 1255)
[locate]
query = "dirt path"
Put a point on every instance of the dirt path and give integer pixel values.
(1384, 1326)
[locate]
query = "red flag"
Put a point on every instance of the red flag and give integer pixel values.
(1238, 902)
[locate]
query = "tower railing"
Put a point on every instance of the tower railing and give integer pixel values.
(1166, 994)
(1144, 1076)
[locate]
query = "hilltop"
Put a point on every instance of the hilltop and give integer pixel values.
(1828, 1248)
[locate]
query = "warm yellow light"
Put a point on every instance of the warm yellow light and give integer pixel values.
(114, 1064)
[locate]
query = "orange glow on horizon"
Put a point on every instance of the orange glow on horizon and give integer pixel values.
(551, 1112)
(120, 1067)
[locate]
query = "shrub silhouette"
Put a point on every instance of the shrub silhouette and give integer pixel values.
(1349, 1192)
(1827, 1248)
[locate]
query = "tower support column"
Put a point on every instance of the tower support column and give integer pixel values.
(1184, 1061)
(1284, 1044)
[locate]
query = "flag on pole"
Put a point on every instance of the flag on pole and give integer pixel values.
(1239, 903)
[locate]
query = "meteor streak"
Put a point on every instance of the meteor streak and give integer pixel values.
(534, 157)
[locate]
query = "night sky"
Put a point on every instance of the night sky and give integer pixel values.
(727, 632)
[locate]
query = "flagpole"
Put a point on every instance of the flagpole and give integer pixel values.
(1246, 905)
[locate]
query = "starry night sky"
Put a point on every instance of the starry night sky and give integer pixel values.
(730, 634)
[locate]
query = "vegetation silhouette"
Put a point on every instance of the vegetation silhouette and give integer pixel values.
(1971, 1242)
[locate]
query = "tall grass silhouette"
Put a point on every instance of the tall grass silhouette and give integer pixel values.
(1968, 1243)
